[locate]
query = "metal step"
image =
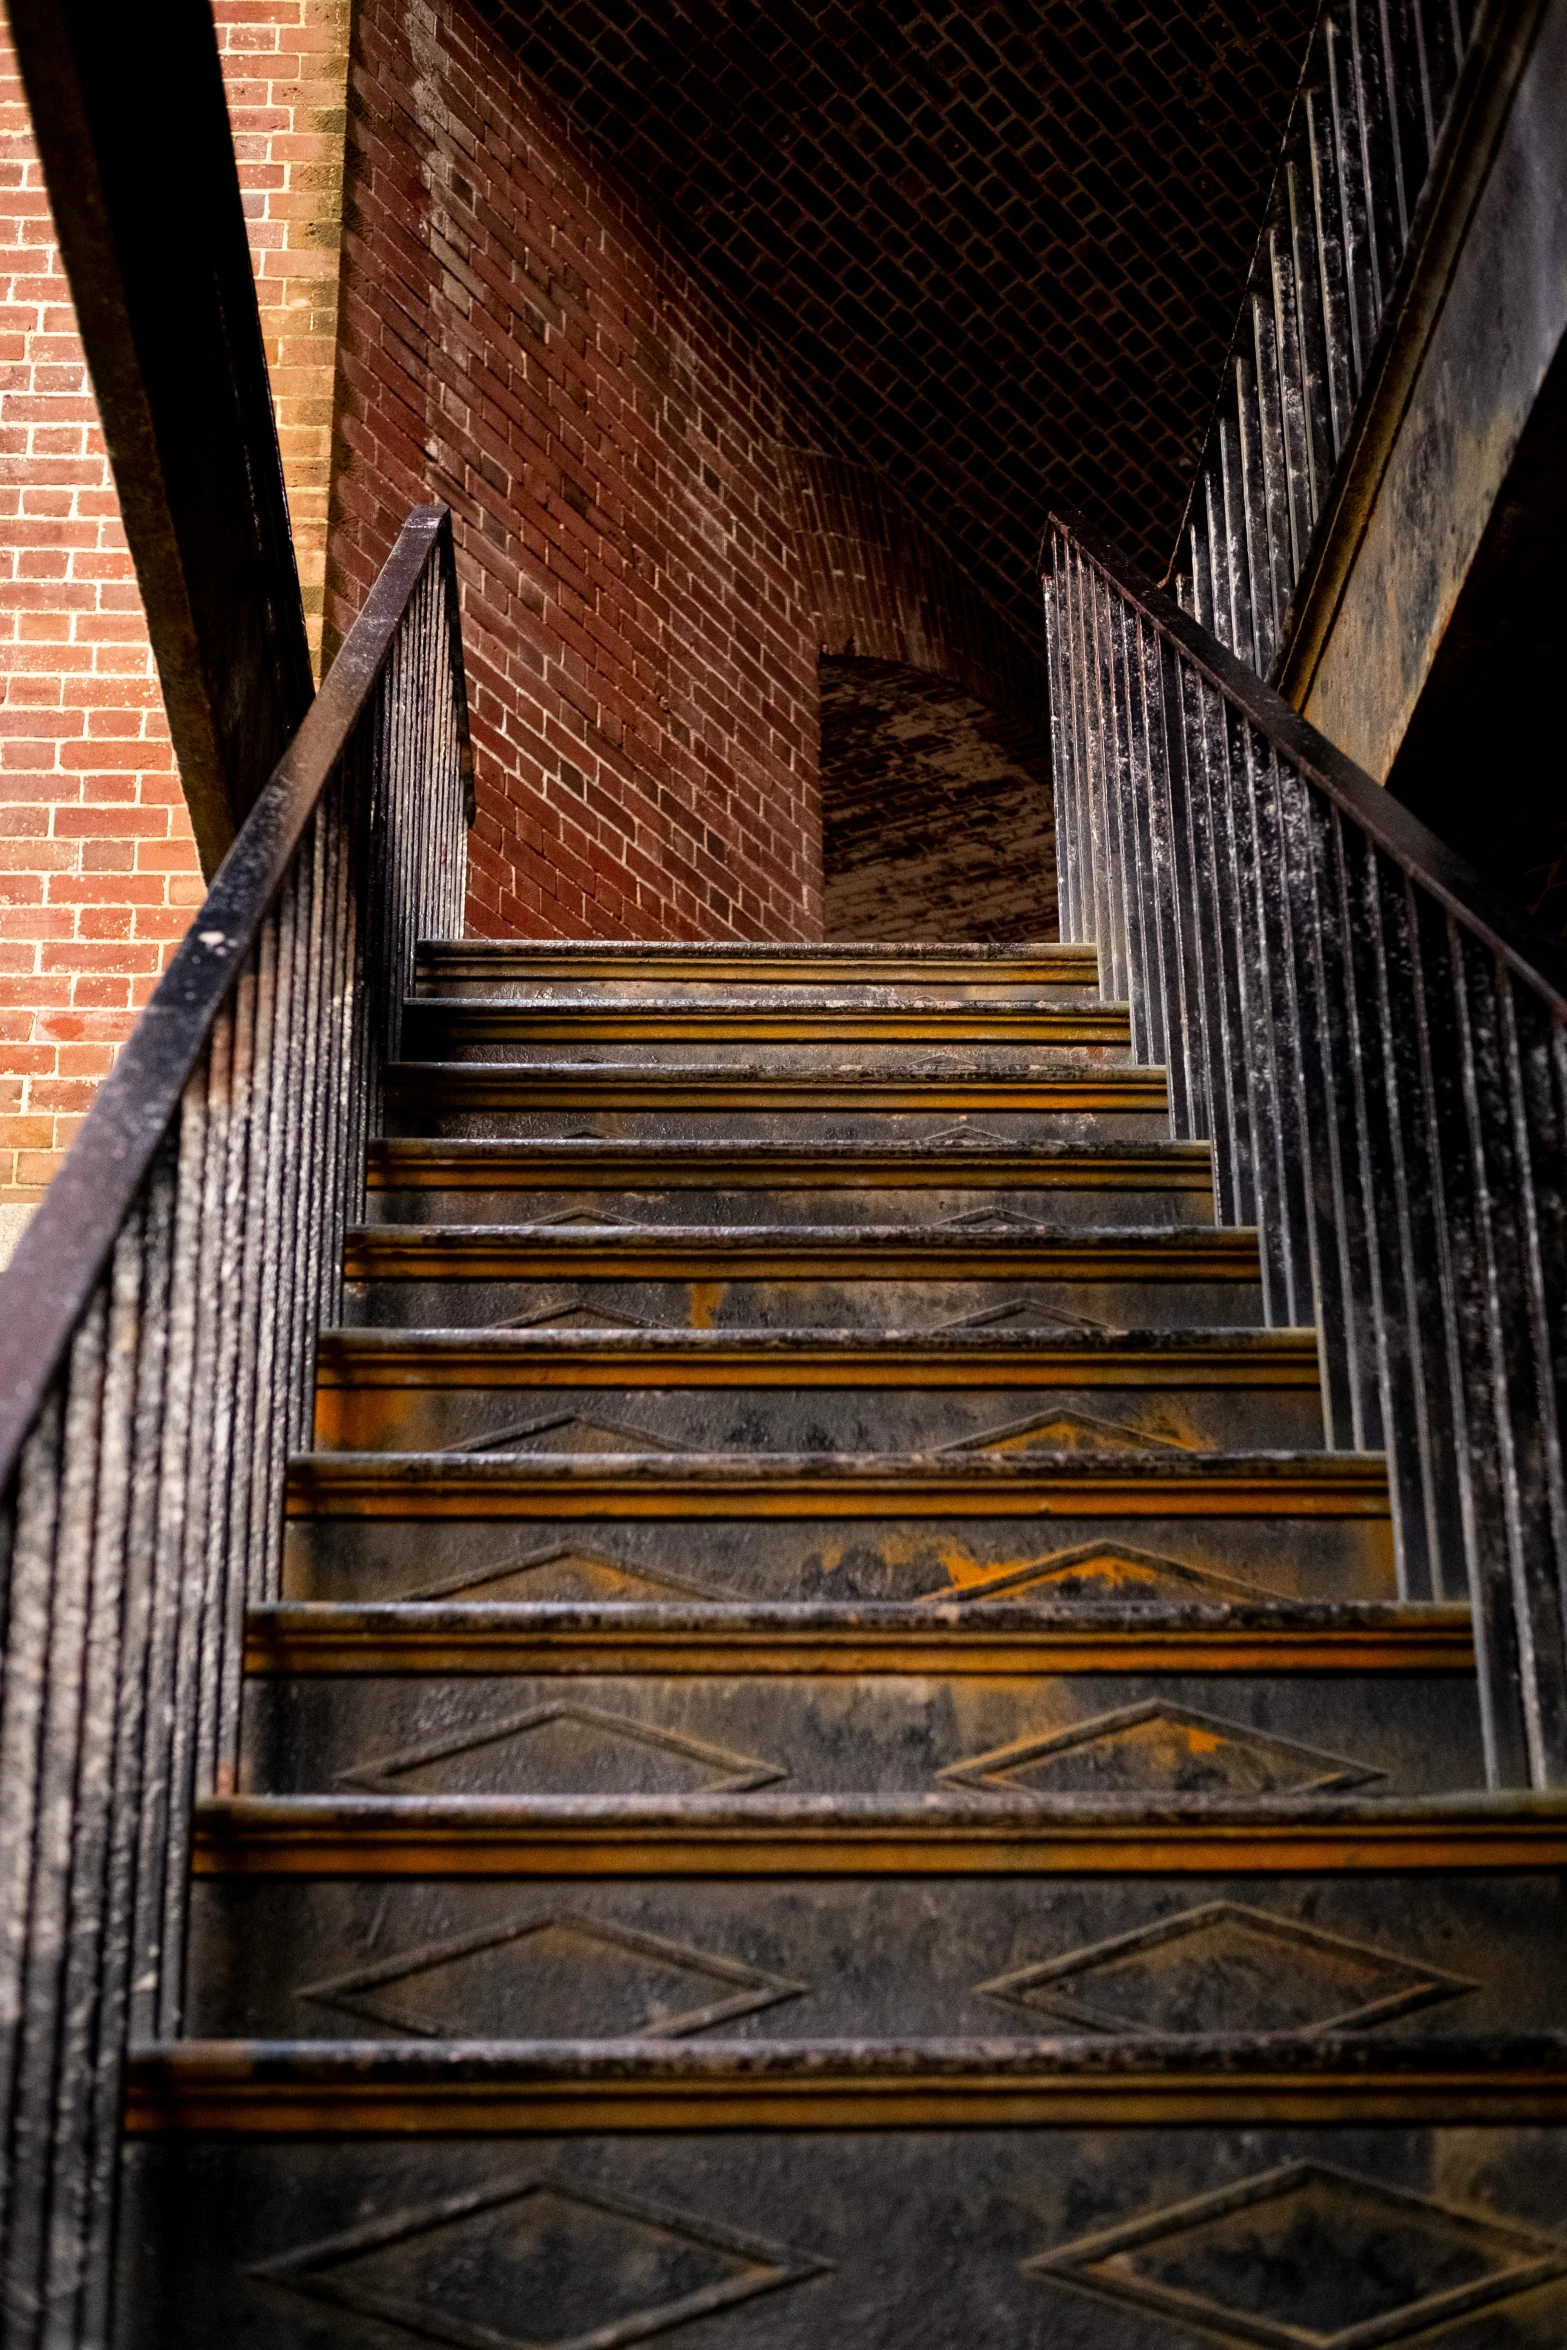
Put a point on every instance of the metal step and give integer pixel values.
(881, 1959)
(757, 1031)
(986, 1191)
(795, 1391)
(503, 970)
(896, 1277)
(508, 1731)
(781, 2199)
(1219, 1627)
(1084, 1099)
(940, 1834)
(377, 1525)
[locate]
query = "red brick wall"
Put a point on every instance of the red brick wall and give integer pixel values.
(98, 871)
(885, 589)
(98, 868)
(517, 340)
(285, 68)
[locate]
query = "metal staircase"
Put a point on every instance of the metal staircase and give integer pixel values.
(793, 1645)
(836, 1760)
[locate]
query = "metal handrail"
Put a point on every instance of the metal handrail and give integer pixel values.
(157, 1342)
(65, 1247)
(1375, 1046)
(1387, 145)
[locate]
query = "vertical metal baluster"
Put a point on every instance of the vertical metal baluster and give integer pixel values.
(1384, 215)
(1444, 49)
(1471, 1384)
(1191, 1047)
(252, 1503)
(1328, 222)
(143, 1695)
(1316, 405)
(1409, 84)
(356, 1010)
(1202, 574)
(1360, 274)
(1409, 988)
(1062, 780)
(346, 1056)
(1068, 586)
(1254, 507)
(1112, 955)
(1525, 1404)
(40, 2149)
(1392, 1127)
(1270, 782)
(1283, 559)
(271, 1250)
(1292, 390)
(286, 1147)
(178, 1594)
(1355, 1204)
(23, 1768)
(140, 1280)
(1255, 1042)
(161, 1406)
(1168, 1002)
(314, 1110)
(227, 1527)
(206, 1522)
(1075, 918)
(1117, 855)
(1234, 1195)
(1223, 591)
(1438, 1152)
(1538, 1090)
(95, 1956)
(1304, 851)
(1094, 847)
(1373, 1086)
(1130, 828)
(1236, 565)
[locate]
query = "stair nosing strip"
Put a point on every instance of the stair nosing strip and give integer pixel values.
(775, 1485)
(946, 1638)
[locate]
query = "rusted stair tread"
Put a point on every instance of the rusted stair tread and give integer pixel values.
(403, 1161)
(767, 1834)
(821, 1252)
(613, 1086)
(757, 1020)
(1126, 1484)
(494, 961)
(795, 1357)
(938, 1636)
(340, 2086)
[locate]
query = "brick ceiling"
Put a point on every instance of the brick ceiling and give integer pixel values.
(1002, 244)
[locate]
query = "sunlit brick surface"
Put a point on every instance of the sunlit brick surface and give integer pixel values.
(98, 871)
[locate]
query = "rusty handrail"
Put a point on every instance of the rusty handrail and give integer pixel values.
(67, 1242)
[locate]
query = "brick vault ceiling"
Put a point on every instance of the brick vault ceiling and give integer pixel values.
(1002, 246)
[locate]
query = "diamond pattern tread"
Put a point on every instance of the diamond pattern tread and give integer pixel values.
(819, 1641)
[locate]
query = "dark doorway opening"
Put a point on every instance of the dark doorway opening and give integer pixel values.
(936, 810)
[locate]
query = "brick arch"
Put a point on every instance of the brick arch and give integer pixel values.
(885, 588)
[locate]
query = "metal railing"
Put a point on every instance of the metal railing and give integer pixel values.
(1377, 1051)
(1380, 83)
(157, 1338)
